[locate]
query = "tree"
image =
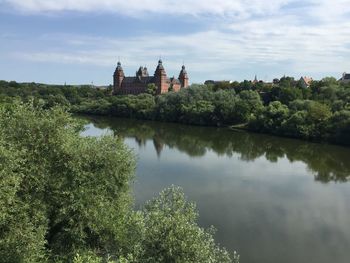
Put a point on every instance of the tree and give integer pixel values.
(248, 104)
(151, 89)
(172, 235)
(69, 189)
(201, 112)
(64, 197)
(340, 127)
(270, 118)
(287, 82)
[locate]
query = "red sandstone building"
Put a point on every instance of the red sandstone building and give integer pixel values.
(138, 84)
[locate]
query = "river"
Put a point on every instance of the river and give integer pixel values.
(272, 199)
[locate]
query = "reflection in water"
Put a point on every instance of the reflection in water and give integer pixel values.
(257, 190)
(327, 162)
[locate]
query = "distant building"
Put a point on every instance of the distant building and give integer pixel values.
(305, 82)
(139, 83)
(345, 78)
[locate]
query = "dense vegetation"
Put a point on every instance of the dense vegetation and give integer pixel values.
(320, 112)
(66, 198)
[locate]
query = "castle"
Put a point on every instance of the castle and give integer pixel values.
(139, 83)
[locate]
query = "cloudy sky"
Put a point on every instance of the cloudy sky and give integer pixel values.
(79, 41)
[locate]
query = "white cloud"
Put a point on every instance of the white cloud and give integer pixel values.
(297, 37)
(215, 54)
(139, 7)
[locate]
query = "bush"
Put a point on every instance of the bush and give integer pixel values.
(66, 198)
(172, 234)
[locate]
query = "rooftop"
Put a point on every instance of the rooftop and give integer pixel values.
(346, 76)
(307, 80)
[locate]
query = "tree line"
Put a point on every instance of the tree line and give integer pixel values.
(320, 112)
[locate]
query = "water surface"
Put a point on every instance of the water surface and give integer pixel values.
(272, 199)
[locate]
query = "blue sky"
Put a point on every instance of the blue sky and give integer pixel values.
(79, 41)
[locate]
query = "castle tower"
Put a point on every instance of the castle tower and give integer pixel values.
(161, 78)
(145, 72)
(142, 72)
(183, 77)
(118, 77)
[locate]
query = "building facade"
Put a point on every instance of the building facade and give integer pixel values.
(345, 78)
(137, 84)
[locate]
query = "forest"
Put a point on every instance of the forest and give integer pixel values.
(319, 113)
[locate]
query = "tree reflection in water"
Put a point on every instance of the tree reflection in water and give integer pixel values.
(327, 162)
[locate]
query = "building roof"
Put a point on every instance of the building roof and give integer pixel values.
(307, 80)
(255, 79)
(160, 65)
(138, 79)
(346, 76)
(143, 72)
(119, 66)
(183, 70)
(174, 80)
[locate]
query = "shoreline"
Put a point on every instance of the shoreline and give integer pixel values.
(233, 128)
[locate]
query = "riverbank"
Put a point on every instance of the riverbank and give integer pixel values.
(320, 113)
(243, 127)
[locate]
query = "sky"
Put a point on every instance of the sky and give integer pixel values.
(80, 41)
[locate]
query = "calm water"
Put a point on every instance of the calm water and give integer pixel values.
(273, 200)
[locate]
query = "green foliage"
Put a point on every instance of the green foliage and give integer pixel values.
(201, 106)
(130, 106)
(171, 233)
(66, 198)
(340, 127)
(67, 190)
(281, 108)
(270, 118)
(21, 234)
(247, 106)
(286, 95)
(287, 82)
(89, 257)
(303, 119)
(151, 89)
(197, 113)
(51, 94)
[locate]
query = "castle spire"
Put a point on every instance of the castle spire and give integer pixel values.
(119, 66)
(160, 65)
(118, 77)
(183, 77)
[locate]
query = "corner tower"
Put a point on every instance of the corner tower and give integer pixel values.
(183, 77)
(161, 78)
(118, 77)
